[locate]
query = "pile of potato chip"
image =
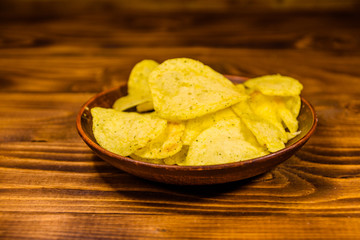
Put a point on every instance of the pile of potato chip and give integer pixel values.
(183, 112)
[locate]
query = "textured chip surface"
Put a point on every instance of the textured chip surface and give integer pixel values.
(275, 85)
(123, 132)
(167, 144)
(178, 158)
(225, 142)
(138, 86)
(128, 101)
(195, 126)
(266, 133)
(138, 81)
(184, 88)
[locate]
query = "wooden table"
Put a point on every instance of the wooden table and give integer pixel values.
(55, 55)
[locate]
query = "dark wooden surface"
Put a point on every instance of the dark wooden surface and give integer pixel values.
(54, 55)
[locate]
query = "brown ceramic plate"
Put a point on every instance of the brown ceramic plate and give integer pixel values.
(191, 175)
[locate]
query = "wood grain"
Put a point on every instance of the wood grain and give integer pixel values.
(53, 187)
(39, 9)
(124, 226)
(90, 52)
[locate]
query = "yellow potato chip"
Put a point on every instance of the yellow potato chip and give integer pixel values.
(123, 132)
(138, 81)
(293, 103)
(178, 158)
(222, 143)
(128, 102)
(184, 88)
(149, 160)
(249, 136)
(145, 107)
(241, 88)
(138, 86)
(195, 126)
(266, 108)
(274, 110)
(292, 135)
(275, 85)
(287, 117)
(166, 144)
(265, 132)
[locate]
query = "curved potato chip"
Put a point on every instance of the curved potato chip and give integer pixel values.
(123, 132)
(166, 144)
(287, 116)
(193, 127)
(184, 88)
(293, 103)
(138, 86)
(275, 85)
(241, 88)
(149, 160)
(266, 108)
(274, 110)
(145, 107)
(292, 135)
(138, 81)
(222, 143)
(178, 158)
(265, 132)
(127, 102)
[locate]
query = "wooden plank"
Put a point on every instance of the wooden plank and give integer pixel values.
(61, 8)
(67, 177)
(127, 226)
(96, 51)
(268, 30)
(39, 117)
(106, 68)
(55, 58)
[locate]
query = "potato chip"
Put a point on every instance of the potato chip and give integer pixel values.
(275, 85)
(249, 136)
(149, 160)
(266, 108)
(280, 111)
(128, 102)
(166, 144)
(195, 126)
(286, 116)
(292, 135)
(124, 132)
(184, 88)
(265, 132)
(138, 81)
(293, 103)
(145, 107)
(178, 158)
(241, 88)
(222, 143)
(138, 86)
